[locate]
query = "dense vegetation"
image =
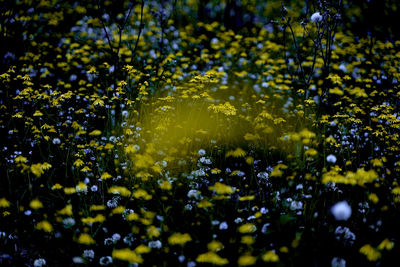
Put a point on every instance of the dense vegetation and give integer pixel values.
(191, 133)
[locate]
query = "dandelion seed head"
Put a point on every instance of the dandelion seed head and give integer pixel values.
(331, 158)
(341, 211)
(316, 17)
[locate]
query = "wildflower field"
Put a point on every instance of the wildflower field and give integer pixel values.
(199, 133)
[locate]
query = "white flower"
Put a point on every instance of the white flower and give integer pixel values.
(263, 175)
(116, 237)
(338, 262)
(341, 211)
(88, 253)
(77, 260)
(238, 220)
(105, 260)
(331, 158)
(223, 226)
(155, 244)
(68, 222)
(205, 160)
(316, 17)
(39, 262)
(265, 228)
(56, 141)
(181, 258)
(193, 194)
(296, 205)
(201, 152)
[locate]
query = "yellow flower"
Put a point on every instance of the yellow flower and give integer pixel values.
(56, 186)
(386, 244)
(20, 159)
(376, 162)
(126, 254)
(246, 260)
(204, 204)
(130, 149)
(45, 166)
(165, 185)
(371, 253)
(78, 163)
(37, 113)
(248, 240)
(215, 245)
(396, 190)
(247, 198)
(221, 188)
(142, 249)
(211, 257)
(86, 169)
(226, 109)
(36, 204)
(141, 193)
(247, 228)
(81, 187)
(92, 70)
(277, 170)
(90, 220)
(85, 239)
(179, 239)
(237, 153)
(44, 226)
(152, 231)
(98, 102)
(105, 176)
(69, 190)
(97, 207)
(373, 197)
(37, 170)
(123, 191)
(4, 203)
(270, 256)
(132, 217)
(311, 152)
(95, 133)
(118, 210)
(215, 171)
(67, 210)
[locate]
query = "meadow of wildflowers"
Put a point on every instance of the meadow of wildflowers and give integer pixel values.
(199, 133)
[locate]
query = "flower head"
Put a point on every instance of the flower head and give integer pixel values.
(341, 211)
(316, 17)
